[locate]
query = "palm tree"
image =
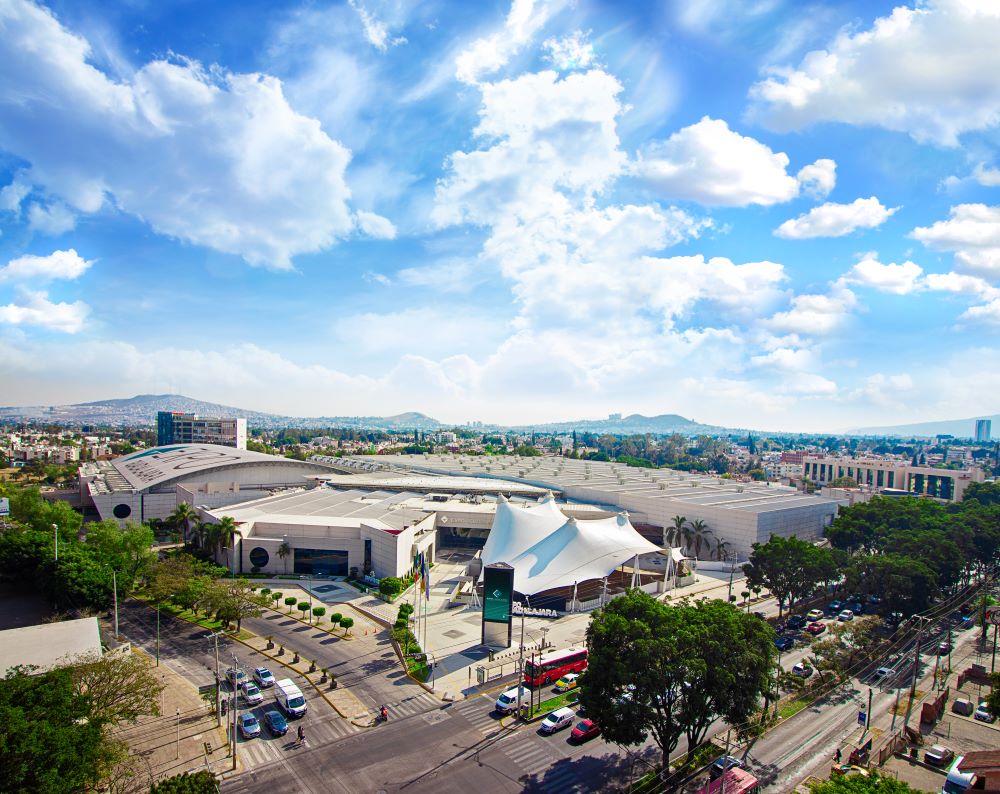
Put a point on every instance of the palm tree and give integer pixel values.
(674, 533)
(182, 516)
(227, 534)
(697, 536)
(284, 552)
(721, 549)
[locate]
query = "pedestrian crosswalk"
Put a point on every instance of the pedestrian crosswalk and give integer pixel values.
(545, 770)
(480, 712)
(266, 748)
(414, 704)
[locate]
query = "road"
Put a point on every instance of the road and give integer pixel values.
(456, 748)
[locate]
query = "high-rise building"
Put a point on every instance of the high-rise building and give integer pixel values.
(983, 430)
(174, 427)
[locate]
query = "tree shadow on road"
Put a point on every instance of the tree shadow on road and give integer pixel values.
(608, 772)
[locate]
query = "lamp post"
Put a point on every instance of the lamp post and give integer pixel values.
(177, 755)
(55, 537)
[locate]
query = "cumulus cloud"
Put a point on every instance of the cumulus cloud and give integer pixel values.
(836, 220)
(818, 179)
(972, 233)
(372, 225)
(816, 314)
(13, 194)
(570, 52)
(926, 71)
(204, 155)
(53, 219)
(986, 175)
(486, 55)
(987, 313)
(57, 265)
(711, 164)
(897, 279)
(37, 310)
(961, 284)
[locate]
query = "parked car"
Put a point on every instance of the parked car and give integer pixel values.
(795, 622)
(894, 619)
(235, 677)
(857, 607)
(845, 614)
(816, 628)
(784, 643)
(584, 730)
(251, 693)
(938, 755)
(944, 648)
(567, 682)
(803, 669)
(883, 674)
(814, 614)
(834, 607)
(275, 723)
(722, 765)
(249, 727)
(983, 713)
(263, 677)
(557, 720)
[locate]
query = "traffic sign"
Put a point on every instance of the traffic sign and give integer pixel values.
(4, 507)
(862, 717)
(993, 616)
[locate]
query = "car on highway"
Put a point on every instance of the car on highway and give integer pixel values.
(784, 643)
(567, 682)
(834, 607)
(795, 622)
(275, 722)
(251, 693)
(235, 676)
(249, 727)
(883, 674)
(816, 628)
(584, 730)
(722, 765)
(845, 614)
(263, 677)
(983, 713)
(557, 720)
(802, 669)
(938, 755)
(814, 614)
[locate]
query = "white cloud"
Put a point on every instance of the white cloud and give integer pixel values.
(815, 314)
(205, 155)
(720, 17)
(376, 31)
(13, 194)
(988, 313)
(818, 179)
(897, 279)
(486, 55)
(54, 219)
(926, 71)
(372, 225)
(38, 310)
(59, 264)
(884, 390)
(423, 331)
(972, 233)
(836, 220)
(711, 164)
(986, 175)
(785, 359)
(809, 384)
(961, 284)
(451, 275)
(570, 52)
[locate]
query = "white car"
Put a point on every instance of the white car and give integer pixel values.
(983, 712)
(814, 614)
(557, 720)
(846, 615)
(507, 702)
(802, 669)
(251, 694)
(263, 677)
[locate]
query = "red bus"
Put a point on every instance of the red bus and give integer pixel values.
(736, 781)
(553, 666)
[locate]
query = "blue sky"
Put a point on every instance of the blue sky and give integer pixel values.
(753, 212)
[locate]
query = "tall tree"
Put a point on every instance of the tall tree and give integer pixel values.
(183, 516)
(790, 568)
(232, 600)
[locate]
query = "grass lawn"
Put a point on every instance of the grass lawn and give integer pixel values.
(557, 702)
(786, 710)
(202, 620)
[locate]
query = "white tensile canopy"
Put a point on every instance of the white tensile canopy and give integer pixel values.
(549, 550)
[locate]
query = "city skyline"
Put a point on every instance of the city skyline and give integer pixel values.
(763, 214)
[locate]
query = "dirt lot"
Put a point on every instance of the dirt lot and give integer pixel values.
(919, 777)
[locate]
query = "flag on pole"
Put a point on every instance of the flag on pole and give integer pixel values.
(426, 579)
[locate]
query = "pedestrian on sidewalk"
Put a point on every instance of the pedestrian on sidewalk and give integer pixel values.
(302, 735)
(836, 756)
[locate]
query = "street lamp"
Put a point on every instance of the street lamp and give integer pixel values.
(55, 537)
(177, 755)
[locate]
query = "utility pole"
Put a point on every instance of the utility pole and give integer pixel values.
(55, 537)
(725, 764)
(520, 667)
(157, 633)
(236, 677)
(177, 755)
(868, 714)
(916, 668)
(218, 684)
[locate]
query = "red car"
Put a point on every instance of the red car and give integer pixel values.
(816, 628)
(583, 730)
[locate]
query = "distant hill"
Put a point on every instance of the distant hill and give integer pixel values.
(960, 428)
(142, 410)
(634, 423)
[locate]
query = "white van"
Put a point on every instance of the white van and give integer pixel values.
(290, 697)
(507, 702)
(958, 782)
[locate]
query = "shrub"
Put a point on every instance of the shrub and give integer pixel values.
(346, 623)
(202, 782)
(319, 611)
(290, 602)
(303, 607)
(335, 618)
(390, 586)
(265, 591)
(405, 610)
(276, 597)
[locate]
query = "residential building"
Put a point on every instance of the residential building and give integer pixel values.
(174, 427)
(893, 474)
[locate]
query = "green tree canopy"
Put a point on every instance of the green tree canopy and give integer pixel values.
(859, 784)
(790, 568)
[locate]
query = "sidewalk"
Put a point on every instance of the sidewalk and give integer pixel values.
(174, 742)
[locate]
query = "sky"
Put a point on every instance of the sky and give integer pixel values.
(758, 213)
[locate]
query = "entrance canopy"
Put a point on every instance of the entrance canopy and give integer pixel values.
(548, 550)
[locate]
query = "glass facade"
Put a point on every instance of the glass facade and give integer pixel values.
(320, 562)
